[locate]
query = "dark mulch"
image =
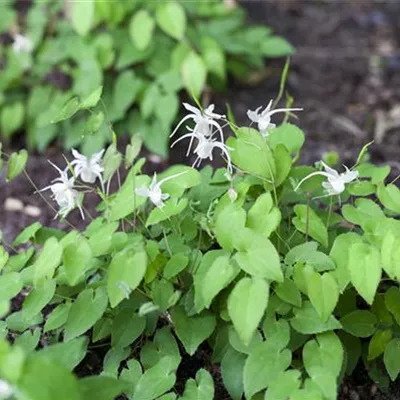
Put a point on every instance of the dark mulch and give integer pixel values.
(346, 76)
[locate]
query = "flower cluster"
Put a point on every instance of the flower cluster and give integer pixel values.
(64, 188)
(208, 134)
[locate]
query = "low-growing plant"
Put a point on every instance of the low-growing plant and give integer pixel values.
(284, 275)
(144, 53)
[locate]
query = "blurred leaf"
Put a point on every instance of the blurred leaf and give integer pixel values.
(171, 18)
(194, 74)
(82, 16)
(141, 29)
(16, 164)
(12, 117)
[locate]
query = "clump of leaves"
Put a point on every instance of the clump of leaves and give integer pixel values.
(288, 274)
(143, 53)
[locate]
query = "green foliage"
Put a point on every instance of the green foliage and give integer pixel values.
(283, 291)
(142, 54)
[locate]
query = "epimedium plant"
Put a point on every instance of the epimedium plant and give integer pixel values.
(144, 53)
(284, 275)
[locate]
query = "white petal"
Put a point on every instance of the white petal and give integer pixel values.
(330, 170)
(192, 109)
(142, 191)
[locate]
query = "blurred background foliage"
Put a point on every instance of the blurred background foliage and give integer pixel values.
(147, 55)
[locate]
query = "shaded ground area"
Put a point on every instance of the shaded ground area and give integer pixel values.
(346, 76)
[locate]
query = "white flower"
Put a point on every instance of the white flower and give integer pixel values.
(154, 193)
(22, 44)
(205, 147)
(335, 183)
(64, 193)
(88, 168)
(204, 122)
(6, 390)
(263, 118)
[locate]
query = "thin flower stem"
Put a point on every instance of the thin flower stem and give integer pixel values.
(329, 212)
(307, 215)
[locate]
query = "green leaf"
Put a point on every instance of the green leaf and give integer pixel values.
(391, 358)
(308, 254)
(340, 255)
(276, 46)
(125, 273)
(307, 321)
(289, 135)
(172, 207)
(176, 264)
(228, 223)
(390, 255)
(132, 150)
(11, 284)
(265, 363)
(284, 385)
(251, 154)
(246, 306)
(308, 222)
(171, 18)
(326, 351)
(70, 108)
(259, 258)
(392, 302)
(11, 119)
(82, 16)
(58, 317)
(232, 373)
(263, 217)
(389, 196)
(365, 270)
(29, 340)
(76, 258)
(16, 164)
(141, 29)
(156, 380)
(44, 379)
(4, 256)
(194, 74)
(27, 234)
(68, 354)
(213, 56)
(289, 292)
(378, 343)
(101, 240)
(38, 299)
(126, 328)
(87, 309)
(101, 387)
(277, 332)
(323, 293)
(200, 389)
(48, 261)
(192, 331)
(93, 123)
(93, 98)
(218, 276)
(360, 323)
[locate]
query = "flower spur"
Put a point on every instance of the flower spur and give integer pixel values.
(154, 192)
(263, 118)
